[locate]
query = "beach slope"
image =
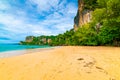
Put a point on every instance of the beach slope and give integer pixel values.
(64, 63)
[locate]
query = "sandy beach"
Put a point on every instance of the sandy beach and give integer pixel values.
(64, 63)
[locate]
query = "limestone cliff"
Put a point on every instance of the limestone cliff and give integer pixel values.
(83, 15)
(29, 39)
(40, 40)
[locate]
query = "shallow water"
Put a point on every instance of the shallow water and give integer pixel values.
(12, 47)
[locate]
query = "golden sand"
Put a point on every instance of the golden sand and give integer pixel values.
(65, 63)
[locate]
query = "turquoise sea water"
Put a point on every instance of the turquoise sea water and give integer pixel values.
(11, 47)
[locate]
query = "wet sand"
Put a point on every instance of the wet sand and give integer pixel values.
(21, 52)
(64, 63)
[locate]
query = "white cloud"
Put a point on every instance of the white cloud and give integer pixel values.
(20, 24)
(45, 5)
(4, 5)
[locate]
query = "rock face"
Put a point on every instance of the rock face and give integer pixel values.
(83, 16)
(29, 39)
(36, 40)
(49, 41)
(44, 40)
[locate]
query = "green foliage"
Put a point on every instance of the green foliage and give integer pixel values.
(86, 35)
(99, 15)
(90, 4)
(110, 33)
(83, 36)
(64, 39)
(102, 3)
(108, 14)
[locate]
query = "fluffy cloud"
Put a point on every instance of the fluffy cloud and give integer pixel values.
(34, 17)
(45, 5)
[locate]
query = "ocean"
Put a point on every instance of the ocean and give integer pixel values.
(12, 47)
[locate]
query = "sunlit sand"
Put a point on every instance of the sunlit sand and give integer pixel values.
(64, 63)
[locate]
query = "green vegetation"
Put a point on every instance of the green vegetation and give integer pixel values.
(90, 4)
(104, 29)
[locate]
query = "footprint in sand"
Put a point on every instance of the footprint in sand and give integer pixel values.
(80, 59)
(86, 61)
(88, 64)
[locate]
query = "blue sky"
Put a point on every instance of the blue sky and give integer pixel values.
(20, 18)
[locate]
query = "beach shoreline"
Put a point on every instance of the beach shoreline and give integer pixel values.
(13, 53)
(64, 63)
